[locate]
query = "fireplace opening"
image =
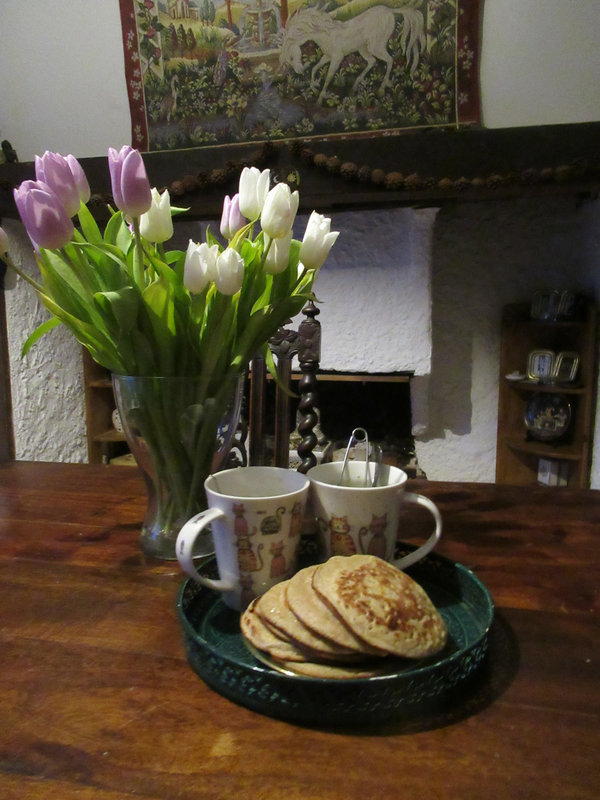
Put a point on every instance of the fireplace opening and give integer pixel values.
(378, 402)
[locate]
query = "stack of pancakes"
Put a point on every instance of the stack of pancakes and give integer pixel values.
(344, 619)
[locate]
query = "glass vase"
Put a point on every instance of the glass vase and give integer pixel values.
(179, 430)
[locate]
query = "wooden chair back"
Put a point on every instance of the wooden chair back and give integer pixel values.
(305, 344)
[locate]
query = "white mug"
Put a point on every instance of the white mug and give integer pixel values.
(255, 515)
(355, 517)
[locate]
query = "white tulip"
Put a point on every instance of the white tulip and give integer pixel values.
(200, 266)
(278, 255)
(229, 274)
(279, 211)
(254, 187)
(156, 225)
(317, 242)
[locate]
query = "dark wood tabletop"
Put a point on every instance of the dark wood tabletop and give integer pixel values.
(97, 699)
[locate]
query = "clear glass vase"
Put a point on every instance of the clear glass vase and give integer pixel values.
(179, 430)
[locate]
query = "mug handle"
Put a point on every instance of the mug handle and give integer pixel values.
(185, 545)
(421, 552)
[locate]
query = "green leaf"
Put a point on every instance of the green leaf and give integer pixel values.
(122, 305)
(176, 259)
(60, 279)
(145, 362)
(161, 268)
(254, 283)
(37, 334)
(88, 225)
(123, 239)
(284, 282)
(210, 239)
(157, 298)
(267, 354)
(113, 229)
(109, 263)
(101, 347)
(249, 340)
(218, 333)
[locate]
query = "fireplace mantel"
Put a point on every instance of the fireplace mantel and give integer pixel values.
(426, 168)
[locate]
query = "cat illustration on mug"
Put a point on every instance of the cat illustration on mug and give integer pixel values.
(342, 542)
(240, 524)
(340, 539)
(278, 563)
(248, 560)
(377, 543)
(296, 521)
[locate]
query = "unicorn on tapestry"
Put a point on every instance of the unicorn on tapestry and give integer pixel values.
(367, 33)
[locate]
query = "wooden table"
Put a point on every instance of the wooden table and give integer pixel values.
(98, 701)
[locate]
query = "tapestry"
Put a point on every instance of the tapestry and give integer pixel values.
(213, 72)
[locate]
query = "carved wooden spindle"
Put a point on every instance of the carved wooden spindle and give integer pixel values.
(256, 439)
(309, 356)
(238, 454)
(284, 346)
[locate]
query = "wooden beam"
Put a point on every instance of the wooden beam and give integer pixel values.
(429, 167)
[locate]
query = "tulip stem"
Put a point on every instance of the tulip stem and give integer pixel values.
(138, 263)
(10, 263)
(266, 250)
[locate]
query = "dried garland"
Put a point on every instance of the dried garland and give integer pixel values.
(391, 180)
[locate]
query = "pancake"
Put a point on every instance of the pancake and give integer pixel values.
(318, 616)
(264, 638)
(382, 605)
(275, 613)
(338, 672)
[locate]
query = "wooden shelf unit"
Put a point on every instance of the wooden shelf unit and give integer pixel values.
(103, 440)
(518, 454)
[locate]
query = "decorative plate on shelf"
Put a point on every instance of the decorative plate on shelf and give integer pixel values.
(516, 376)
(217, 652)
(547, 416)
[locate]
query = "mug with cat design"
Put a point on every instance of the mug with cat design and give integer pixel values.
(355, 517)
(255, 515)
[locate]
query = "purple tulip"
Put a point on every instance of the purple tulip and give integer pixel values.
(232, 219)
(130, 185)
(54, 170)
(81, 182)
(43, 215)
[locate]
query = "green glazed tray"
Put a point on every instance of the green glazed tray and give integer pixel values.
(216, 651)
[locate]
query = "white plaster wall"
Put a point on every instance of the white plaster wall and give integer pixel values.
(47, 383)
(375, 292)
(63, 81)
(540, 63)
(484, 256)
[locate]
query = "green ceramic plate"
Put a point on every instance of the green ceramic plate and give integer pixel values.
(217, 652)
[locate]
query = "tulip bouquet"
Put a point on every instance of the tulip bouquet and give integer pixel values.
(141, 310)
(144, 311)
